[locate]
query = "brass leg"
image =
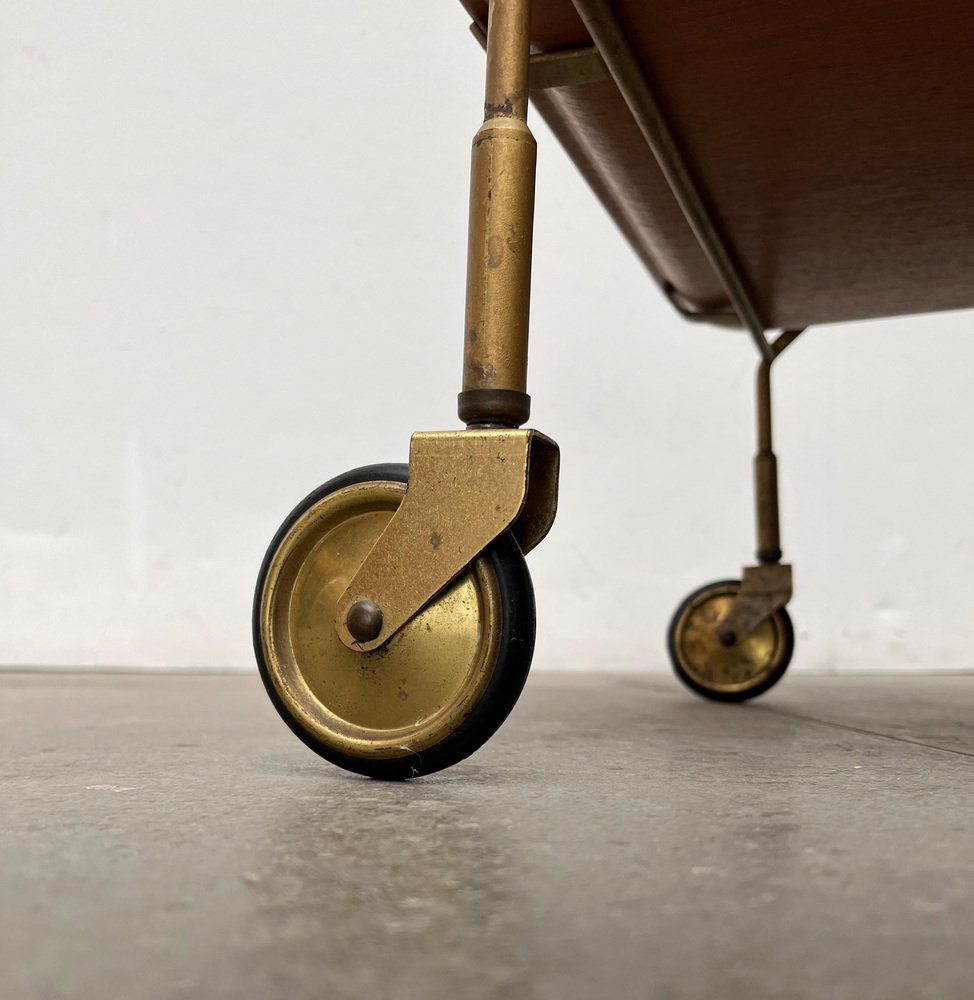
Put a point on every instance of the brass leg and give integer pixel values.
(501, 219)
(733, 640)
(466, 488)
(394, 618)
(765, 462)
(767, 586)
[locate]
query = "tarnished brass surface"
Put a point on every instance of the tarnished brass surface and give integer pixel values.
(727, 669)
(413, 692)
(499, 256)
(508, 46)
(465, 488)
(537, 514)
(502, 174)
(568, 68)
(763, 590)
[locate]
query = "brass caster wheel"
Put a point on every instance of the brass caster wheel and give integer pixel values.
(430, 696)
(750, 667)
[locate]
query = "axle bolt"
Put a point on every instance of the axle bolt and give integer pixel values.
(364, 620)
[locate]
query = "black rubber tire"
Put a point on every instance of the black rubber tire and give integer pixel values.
(784, 621)
(518, 619)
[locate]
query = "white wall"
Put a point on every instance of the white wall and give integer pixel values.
(232, 266)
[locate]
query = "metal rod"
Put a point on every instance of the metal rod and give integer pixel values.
(608, 36)
(564, 68)
(763, 409)
(502, 174)
(767, 513)
(784, 339)
(508, 50)
(766, 509)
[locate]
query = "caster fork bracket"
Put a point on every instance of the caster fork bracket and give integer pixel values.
(465, 489)
(764, 589)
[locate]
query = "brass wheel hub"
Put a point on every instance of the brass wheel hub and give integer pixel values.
(746, 664)
(410, 693)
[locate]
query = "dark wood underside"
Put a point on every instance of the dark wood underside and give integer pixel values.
(833, 142)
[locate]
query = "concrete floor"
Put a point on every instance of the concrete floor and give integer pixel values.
(167, 837)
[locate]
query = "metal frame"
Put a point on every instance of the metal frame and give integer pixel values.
(768, 586)
(765, 462)
(605, 31)
(467, 487)
(460, 483)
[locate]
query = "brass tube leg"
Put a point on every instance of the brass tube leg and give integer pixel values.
(502, 176)
(768, 529)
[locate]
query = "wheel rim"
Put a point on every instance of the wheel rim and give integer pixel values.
(749, 663)
(408, 695)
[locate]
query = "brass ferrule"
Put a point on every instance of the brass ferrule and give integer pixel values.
(766, 495)
(499, 256)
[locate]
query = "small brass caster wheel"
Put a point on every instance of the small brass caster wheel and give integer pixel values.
(431, 695)
(745, 669)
